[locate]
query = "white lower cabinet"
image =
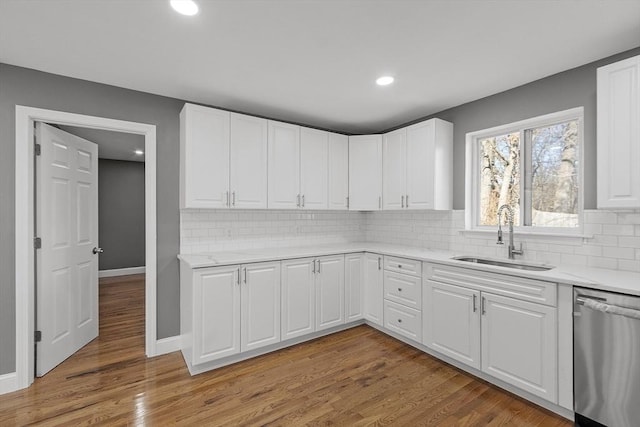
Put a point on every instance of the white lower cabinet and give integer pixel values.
(233, 309)
(458, 309)
(298, 297)
(373, 288)
(312, 295)
(403, 320)
(329, 292)
(519, 344)
(354, 287)
(508, 338)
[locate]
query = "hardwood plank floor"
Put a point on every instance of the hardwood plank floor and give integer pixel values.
(355, 378)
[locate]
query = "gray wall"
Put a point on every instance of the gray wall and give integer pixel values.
(32, 88)
(572, 88)
(121, 213)
(36, 89)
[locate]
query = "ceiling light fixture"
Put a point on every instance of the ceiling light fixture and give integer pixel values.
(185, 7)
(384, 80)
(139, 152)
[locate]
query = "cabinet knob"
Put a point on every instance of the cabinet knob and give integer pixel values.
(399, 289)
(399, 265)
(399, 320)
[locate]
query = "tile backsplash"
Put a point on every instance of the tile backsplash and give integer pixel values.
(613, 242)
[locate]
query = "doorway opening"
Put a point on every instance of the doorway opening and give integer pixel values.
(25, 226)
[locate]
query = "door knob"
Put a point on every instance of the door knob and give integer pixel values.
(97, 250)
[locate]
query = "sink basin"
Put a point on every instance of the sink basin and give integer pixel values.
(507, 264)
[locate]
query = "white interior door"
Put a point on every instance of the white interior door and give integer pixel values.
(67, 223)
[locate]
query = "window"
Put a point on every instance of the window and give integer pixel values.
(533, 166)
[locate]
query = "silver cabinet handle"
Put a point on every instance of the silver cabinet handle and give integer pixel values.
(227, 197)
(475, 308)
(298, 200)
(406, 201)
(234, 199)
(402, 201)
(399, 289)
(314, 266)
(379, 202)
(482, 305)
(238, 282)
(379, 263)
(399, 320)
(245, 274)
(600, 304)
(347, 202)
(303, 200)
(319, 264)
(97, 250)
(399, 265)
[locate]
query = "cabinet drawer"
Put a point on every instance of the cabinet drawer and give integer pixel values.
(403, 265)
(403, 320)
(502, 284)
(403, 289)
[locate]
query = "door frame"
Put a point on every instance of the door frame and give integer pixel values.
(25, 219)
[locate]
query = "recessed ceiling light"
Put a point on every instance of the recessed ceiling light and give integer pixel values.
(185, 7)
(139, 152)
(384, 80)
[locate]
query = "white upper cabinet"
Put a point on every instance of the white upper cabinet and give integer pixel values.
(618, 132)
(417, 168)
(365, 172)
(314, 151)
(284, 166)
(204, 157)
(248, 162)
(338, 171)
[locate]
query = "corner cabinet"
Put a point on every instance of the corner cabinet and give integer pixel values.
(365, 172)
(618, 131)
(418, 168)
(228, 310)
(223, 159)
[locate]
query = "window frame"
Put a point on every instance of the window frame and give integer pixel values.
(473, 164)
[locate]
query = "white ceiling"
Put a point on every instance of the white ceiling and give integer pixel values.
(315, 61)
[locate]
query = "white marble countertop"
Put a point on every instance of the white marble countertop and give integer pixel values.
(595, 278)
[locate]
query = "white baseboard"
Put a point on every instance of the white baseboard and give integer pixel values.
(121, 271)
(168, 345)
(9, 382)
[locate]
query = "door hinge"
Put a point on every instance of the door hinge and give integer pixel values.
(37, 243)
(37, 336)
(37, 149)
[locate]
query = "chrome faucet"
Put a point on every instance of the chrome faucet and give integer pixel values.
(509, 215)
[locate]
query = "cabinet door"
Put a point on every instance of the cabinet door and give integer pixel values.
(403, 289)
(204, 155)
(216, 299)
(338, 171)
(451, 321)
(354, 287)
(248, 165)
(403, 320)
(419, 161)
(519, 344)
(373, 284)
(314, 149)
(298, 297)
(394, 170)
(329, 292)
(260, 297)
(284, 166)
(619, 134)
(365, 172)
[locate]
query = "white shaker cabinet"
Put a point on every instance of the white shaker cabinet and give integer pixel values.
(260, 305)
(248, 162)
(314, 151)
(373, 288)
(338, 172)
(284, 166)
(354, 287)
(329, 292)
(365, 172)
(204, 157)
(417, 166)
(618, 132)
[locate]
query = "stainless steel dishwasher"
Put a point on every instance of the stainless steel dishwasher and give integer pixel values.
(606, 353)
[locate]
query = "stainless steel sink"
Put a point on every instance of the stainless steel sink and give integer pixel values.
(507, 264)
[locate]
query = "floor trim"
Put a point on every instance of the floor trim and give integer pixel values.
(9, 382)
(121, 271)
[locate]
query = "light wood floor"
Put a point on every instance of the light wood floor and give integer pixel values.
(357, 377)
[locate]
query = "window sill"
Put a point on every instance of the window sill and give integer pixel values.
(549, 237)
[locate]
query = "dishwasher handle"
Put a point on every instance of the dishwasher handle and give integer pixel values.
(597, 304)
